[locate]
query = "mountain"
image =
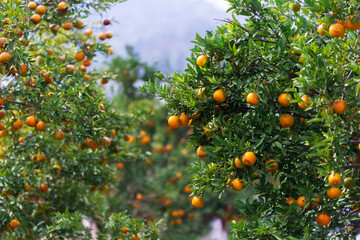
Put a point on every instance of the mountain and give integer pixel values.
(161, 30)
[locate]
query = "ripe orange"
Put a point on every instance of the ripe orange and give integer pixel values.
(301, 202)
(174, 121)
(249, 158)
(88, 32)
(102, 36)
(44, 187)
(119, 165)
(197, 202)
(27, 187)
(21, 139)
(286, 121)
(323, 219)
(272, 168)
(18, 124)
(62, 7)
(208, 128)
(306, 100)
(79, 24)
(187, 189)
(41, 9)
(70, 68)
(200, 153)
(252, 98)
(317, 200)
(321, 29)
(352, 24)
(333, 193)
(337, 30)
(334, 179)
(290, 200)
(80, 56)
(14, 223)
(5, 57)
(237, 184)
(86, 62)
(284, 99)
(67, 26)
(239, 164)
(202, 60)
(32, 5)
(30, 121)
(40, 125)
(339, 106)
(220, 96)
(184, 119)
(35, 19)
(92, 144)
(23, 69)
(145, 140)
(109, 34)
(58, 135)
(57, 168)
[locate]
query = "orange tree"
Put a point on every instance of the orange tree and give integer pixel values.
(153, 181)
(57, 131)
(274, 101)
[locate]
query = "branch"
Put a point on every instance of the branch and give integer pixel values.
(36, 106)
(351, 166)
(227, 20)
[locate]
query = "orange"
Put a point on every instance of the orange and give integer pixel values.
(321, 29)
(58, 135)
(86, 62)
(249, 158)
(184, 119)
(334, 179)
(352, 24)
(44, 187)
(349, 183)
(202, 60)
(200, 153)
(284, 99)
(208, 128)
(220, 96)
(139, 197)
(35, 19)
(32, 5)
(1, 126)
(272, 168)
(200, 93)
(23, 69)
(317, 200)
(102, 36)
(306, 100)
(80, 56)
(174, 121)
(57, 168)
(5, 57)
(40, 125)
(333, 193)
(339, 106)
(237, 184)
(62, 7)
(119, 165)
(187, 189)
(14, 223)
(301, 202)
(21, 139)
(290, 200)
(79, 24)
(145, 140)
(197, 202)
(2, 40)
(30, 121)
(323, 219)
(92, 144)
(252, 98)
(109, 34)
(337, 30)
(27, 187)
(88, 32)
(18, 124)
(286, 121)
(41, 9)
(67, 26)
(295, 6)
(70, 68)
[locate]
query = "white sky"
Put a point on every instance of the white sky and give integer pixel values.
(221, 4)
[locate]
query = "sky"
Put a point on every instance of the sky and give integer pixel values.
(161, 30)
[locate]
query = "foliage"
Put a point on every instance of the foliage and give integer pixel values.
(278, 50)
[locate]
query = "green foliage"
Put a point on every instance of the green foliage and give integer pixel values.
(276, 51)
